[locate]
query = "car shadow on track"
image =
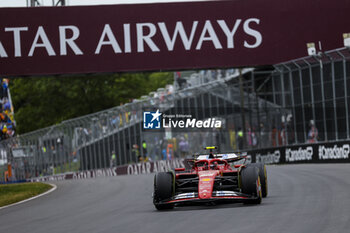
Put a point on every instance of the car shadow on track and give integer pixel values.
(208, 206)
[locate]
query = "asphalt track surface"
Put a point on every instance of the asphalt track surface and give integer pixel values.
(302, 199)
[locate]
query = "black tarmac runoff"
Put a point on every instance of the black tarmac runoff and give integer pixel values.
(303, 198)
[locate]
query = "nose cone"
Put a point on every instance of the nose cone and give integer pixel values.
(206, 183)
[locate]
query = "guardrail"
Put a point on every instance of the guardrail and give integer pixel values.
(330, 152)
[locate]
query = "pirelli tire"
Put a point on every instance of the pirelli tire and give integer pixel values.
(163, 190)
(263, 177)
(250, 184)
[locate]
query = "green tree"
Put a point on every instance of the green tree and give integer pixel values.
(43, 101)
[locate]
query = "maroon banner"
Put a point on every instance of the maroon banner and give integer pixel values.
(168, 36)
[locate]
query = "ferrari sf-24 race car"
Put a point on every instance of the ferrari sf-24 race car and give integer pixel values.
(211, 178)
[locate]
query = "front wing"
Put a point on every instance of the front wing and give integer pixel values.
(216, 197)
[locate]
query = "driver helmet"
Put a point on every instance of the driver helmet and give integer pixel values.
(214, 165)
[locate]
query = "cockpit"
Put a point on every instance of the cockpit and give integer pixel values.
(213, 164)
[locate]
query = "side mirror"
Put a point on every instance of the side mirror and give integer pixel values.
(179, 169)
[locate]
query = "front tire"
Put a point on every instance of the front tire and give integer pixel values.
(263, 177)
(251, 185)
(163, 189)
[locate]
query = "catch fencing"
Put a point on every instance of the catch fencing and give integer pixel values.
(299, 102)
(314, 90)
(331, 152)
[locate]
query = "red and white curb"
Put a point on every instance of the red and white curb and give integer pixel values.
(54, 187)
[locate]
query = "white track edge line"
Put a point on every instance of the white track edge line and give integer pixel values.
(54, 187)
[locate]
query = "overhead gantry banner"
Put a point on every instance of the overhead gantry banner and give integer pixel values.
(167, 36)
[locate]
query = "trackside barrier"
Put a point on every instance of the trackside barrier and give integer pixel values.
(130, 169)
(330, 152)
(326, 152)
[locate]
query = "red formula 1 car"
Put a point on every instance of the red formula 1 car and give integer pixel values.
(211, 178)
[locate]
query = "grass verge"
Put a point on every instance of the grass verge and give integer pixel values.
(12, 193)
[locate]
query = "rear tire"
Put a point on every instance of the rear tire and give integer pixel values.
(263, 177)
(251, 185)
(163, 190)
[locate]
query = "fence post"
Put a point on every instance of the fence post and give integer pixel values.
(283, 105)
(312, 90)
(291, 89)
(334, 96)
(242, 107)
(302, 97)
(345, 94)
(323, 99)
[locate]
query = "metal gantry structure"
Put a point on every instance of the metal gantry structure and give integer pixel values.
(35, 3)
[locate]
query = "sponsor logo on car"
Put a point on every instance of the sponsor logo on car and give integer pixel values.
(206, 173)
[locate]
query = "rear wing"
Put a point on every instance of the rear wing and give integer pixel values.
(229, 157)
